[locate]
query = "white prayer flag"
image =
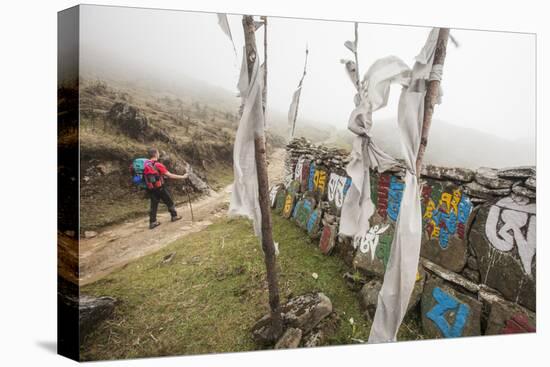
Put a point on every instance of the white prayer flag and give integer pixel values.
(244, 196)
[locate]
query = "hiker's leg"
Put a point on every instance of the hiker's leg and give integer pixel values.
(155, 198)
(167, 200)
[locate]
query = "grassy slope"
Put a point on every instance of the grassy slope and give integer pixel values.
(207, 298)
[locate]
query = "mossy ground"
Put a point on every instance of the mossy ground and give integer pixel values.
(207, 298)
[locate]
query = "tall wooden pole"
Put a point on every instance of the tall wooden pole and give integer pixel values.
(432, 95)
(264, 91)
(263, 184)
(355, 53)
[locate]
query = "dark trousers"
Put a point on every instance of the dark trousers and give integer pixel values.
(157, 195)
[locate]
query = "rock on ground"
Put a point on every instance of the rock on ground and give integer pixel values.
(92, 311)
(290, 339)
(303, 312)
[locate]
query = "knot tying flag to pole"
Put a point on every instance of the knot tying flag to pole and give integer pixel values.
(372, 95)
(402, 267)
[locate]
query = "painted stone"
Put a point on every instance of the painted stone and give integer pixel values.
(386, 194)
(338, 186)
(373, 248)
(311, 176)
(304, 180)
(289, 205)
(273, 194)
(447, 313)
(320, 183)
(298, 169)
(294, 187)
(446, 211)
(303, 211)
(297, 205)
(314, 222)
(280, 199)
(509, 318)
(395, 194)
(328, 239)
(503, 238)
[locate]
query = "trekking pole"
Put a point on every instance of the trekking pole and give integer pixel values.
(189, 200)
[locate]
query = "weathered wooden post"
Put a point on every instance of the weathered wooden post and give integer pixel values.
(264, 91)
(432, 95)
(263, 191)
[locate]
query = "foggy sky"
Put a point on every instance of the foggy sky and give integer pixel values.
(489, 81)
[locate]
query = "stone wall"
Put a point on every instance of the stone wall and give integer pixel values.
(477, 273)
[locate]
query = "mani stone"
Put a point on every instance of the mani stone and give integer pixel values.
(480, 191)
(503, 270)
(488, 177)
(517, 172)
(531, 183)
(519, 189)
(452, 254)
(509, 318)
(290, 339)
(328, 239)
(447, 313)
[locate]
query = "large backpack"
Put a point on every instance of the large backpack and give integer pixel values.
(137, 170)
(151, 175)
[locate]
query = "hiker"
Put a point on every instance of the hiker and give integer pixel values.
(154, 173)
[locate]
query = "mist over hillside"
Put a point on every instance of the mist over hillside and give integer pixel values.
(453, 145)
(449, 144)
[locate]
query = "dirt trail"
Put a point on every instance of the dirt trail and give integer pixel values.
(117, 245)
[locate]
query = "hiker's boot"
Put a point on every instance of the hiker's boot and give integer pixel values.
(154, 225)
(176, 218)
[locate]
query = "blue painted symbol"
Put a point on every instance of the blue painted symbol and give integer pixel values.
(311, 176)
(395, 194)
(311, 221)
(446, 304)
(347, 185)
(464, 209)
(296, 209)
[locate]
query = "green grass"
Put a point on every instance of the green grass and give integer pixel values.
(207, 298)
